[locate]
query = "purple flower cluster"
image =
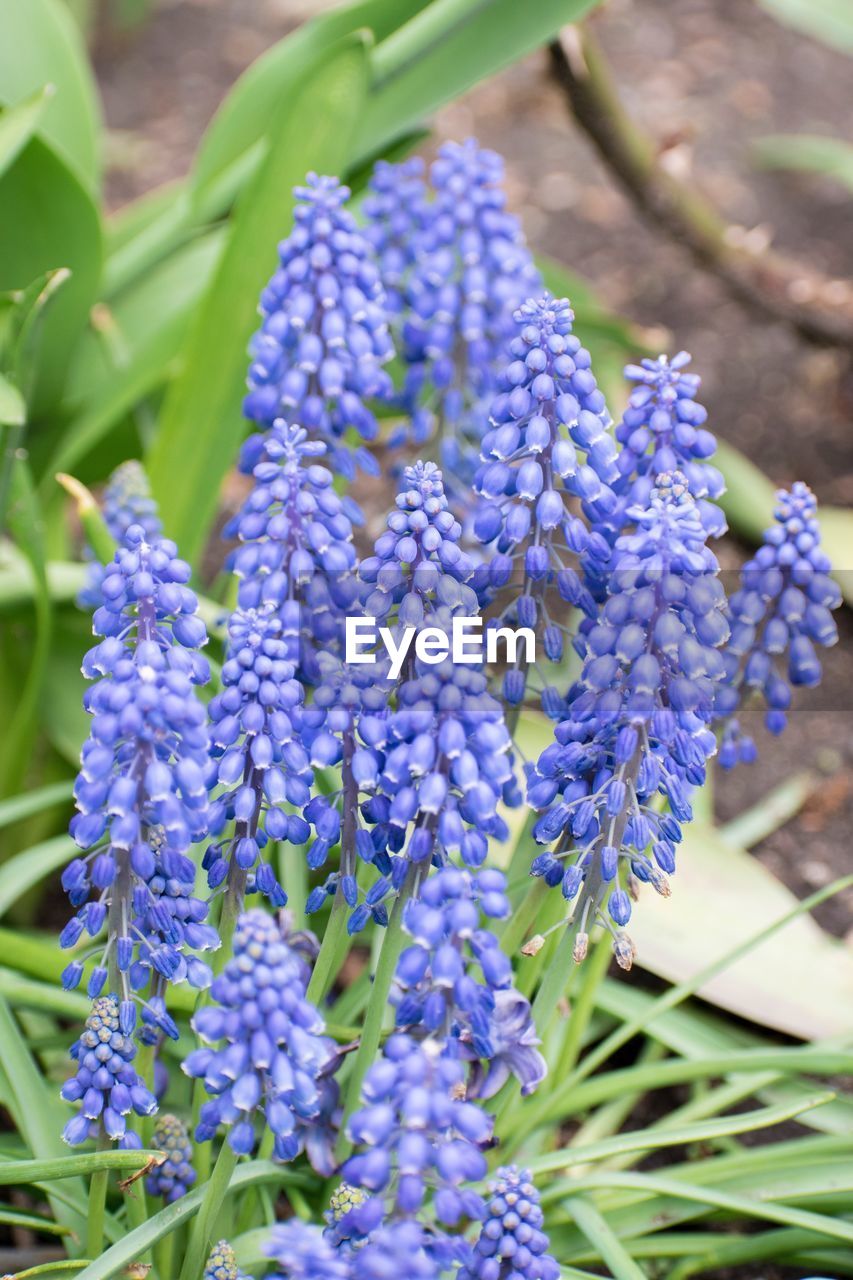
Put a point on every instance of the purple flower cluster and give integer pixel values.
(296, 551)
(512, 1244)
(127, 501)
(261, 762)
(436, 769)
(319, 353)
(142, 788)
(638, 722)
(222, 1264)
(422, 1142)
(106, 1084)
(174, 1177)
(455, 983)
(418, 562)
(456, 266)
(548, 444)
(662, 430)
(272, 1051)
(782, 610)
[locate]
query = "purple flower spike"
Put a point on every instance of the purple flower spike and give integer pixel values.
(256, 723)
(511, 1244)
(421, 1141)
(141, 791)
(106, 1084)
(782, 610)
(174, 1177)
(222, 1264)
(272, 1053)
(318, 355)
(454, 981)
(638, 721)
(455, 265)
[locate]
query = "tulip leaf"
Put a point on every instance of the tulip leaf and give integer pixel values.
(201, 424)
(722, 895)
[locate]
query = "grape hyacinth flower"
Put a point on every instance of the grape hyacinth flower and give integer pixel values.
(782, 610)
(319, 353)
(548, 443)
(141, 791)
(457, 266)
(435, 769)
(272, 1049)
(422, 1141)
(662, 430)
(174, 1177)
(480, 1019)
(296, 551)
(302, 1252)
(260, 760)
(417, 563)
(127, 500)
(222, 1264)
(512, 1244)
(106, 1083)
(639, 717)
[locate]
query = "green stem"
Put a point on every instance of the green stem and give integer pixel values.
(97, 1206)
(582, 1007)
(164, 1256)
(392, 945)
(522, 918)
(201, 1236)
(333, 950)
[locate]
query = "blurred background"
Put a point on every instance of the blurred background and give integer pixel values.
(708, 82)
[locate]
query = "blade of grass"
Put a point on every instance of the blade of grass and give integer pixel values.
(608, 1246)
(653, 1140)
(16, 808)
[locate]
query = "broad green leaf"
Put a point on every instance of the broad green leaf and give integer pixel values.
(37, 1110)
(749, 501)
(13, 410)
(808, 153)
(19, 123)
(117, 369)
(47, 221)
(243, 120)
(25, 523)
(19, 874)
(39, 45)
(201, 424)
(446, 48)
(720, 896)
(25, 993)
(16, 808)
(828, 20)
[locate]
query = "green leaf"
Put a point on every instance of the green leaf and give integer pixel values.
(13, 410)
(722, 895)
(25, 522)
(607, 1245)
(135, 350)
(19, 123)
(19, 874)
(16, 808)
(32, 1222)
(446, 48)
(807, 153)
(828, 20)
(38, 1113)
(201, 424)
(47, 221)
(24, 993)
(40, 45)
(243, 120)
(136, 1242)
(21, 1173)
